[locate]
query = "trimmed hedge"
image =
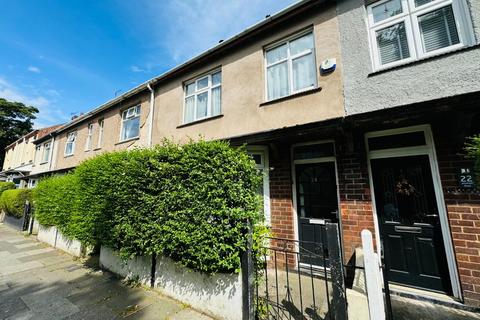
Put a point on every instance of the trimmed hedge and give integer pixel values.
(6, 186)
(12, 202)
(186, 202)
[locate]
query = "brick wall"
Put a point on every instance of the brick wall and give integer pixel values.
(463, 213)
(355, 199)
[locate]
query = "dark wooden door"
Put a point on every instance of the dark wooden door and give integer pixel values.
(317, 203)
(409, 221)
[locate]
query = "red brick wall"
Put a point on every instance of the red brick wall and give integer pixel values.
(463, 213)
(355, 198)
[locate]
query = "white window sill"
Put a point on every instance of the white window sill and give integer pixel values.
(291, 96)
(199, 121)
(68, 155)
(410, 62)
(128, 140)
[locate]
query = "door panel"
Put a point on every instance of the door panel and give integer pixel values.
(409, 223)
(317, 203)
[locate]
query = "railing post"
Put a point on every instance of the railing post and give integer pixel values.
(373, 280)
(339, 301)
(248, 277)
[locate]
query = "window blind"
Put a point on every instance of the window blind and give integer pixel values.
(392, 43)
(438, 29)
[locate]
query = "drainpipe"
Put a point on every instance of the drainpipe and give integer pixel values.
(52, 152)
(150, 119)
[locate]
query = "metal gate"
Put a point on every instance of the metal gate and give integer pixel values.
(288, 285)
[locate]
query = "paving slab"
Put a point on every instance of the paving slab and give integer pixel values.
(39, 282)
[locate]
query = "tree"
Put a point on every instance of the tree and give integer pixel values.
(15, 121)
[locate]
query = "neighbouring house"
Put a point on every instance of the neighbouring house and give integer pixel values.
(355, 110)
(21, 155)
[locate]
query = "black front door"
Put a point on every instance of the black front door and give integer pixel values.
(409, 222)
(317, 203)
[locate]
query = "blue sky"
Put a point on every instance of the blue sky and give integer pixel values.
(67, 57)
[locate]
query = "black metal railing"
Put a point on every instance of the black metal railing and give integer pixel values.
(299, 279)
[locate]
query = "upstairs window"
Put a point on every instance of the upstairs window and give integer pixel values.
(290, 66)
(46, 152)
(406, 30)
(88, 143)
(130, 123)
(203, 97)
(70, 145)
(38, 150)
(101, 123)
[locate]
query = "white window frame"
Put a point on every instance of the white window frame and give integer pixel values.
(88, 142)
(38, 155)
(45, 155)
(101, 124)
(262, 151)
(135, 112)
(73, 142)
(208, 89)
(289, 60)
(409, 16)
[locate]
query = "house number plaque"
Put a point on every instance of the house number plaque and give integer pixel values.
(465, 178)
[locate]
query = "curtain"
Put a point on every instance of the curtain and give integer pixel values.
(303, 72)
(438, 29)
(277, 81)
(202, 105)
(216, 101)
(189, 109)
(131, 128)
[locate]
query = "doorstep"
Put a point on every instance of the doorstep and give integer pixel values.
(429, 296)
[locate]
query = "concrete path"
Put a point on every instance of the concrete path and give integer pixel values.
(39, 282)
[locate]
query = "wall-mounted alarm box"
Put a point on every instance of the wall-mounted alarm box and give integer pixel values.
(328, 65)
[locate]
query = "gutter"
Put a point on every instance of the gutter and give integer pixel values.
(150, 114)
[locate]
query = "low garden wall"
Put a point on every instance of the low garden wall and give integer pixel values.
(56, 239)
(218, 295)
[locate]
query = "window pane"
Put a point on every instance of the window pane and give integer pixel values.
(202, 105)
(202, 83)
(419, 3)
(301, 44)
(386, 10)
(190, 89)
(277, 54)
(313, 151)
(216, 78)
(216, 101)
(392, 43)
(277, 81)
(189, 109)
(303, 72)
(131, 128)
(438, 29)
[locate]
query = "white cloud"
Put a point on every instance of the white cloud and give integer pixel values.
(137, 69)
(49, 114)
(185, 28)
(34, 69)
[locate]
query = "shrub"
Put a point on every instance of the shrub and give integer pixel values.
(472, 147)
(6, 186)
(12, 201)
(55, 200)
(186, 202)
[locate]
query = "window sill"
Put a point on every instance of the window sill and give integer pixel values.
(422, 60)
(98, 148)
(199, 121)
(45, 162)
(292, 96)
(68, 155)
(128, 140)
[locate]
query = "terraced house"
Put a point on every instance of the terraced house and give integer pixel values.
(356, 111)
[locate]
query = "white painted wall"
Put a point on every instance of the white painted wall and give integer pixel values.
(218, 295)
(138, 267)
(56, 239)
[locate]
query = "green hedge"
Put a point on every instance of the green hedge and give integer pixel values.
(186, 202)
(12, 201)
(6, 186)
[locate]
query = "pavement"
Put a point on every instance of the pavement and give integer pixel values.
(39, 282)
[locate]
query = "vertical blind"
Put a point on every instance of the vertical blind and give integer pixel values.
(438, 29)
(392, 43)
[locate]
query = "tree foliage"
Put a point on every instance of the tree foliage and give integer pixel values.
(15, 121)
(188, 202)
(6, 186)
(12, 201)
